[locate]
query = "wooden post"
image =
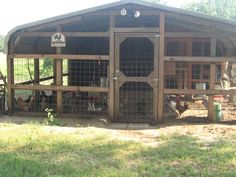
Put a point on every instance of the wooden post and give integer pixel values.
(36, 70)
(54, 71)
(59, 78)
(112, 69)
(10, 79)
(161, 67)
(212, 81)
(155, 89)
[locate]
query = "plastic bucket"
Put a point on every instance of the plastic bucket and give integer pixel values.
(217, 111)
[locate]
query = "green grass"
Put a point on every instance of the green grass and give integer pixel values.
(21, 72)
(3, 65)
(33, 150)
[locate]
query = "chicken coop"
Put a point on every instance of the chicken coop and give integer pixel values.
(130, 61)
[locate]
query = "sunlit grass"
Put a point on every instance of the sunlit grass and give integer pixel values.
(35, 150)
(3, 65)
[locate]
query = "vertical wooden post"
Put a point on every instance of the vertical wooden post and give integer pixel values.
(54, 71)
(112, 69)
(212, 81)
(59, 78)
(36, 70)
(10, 79)
(161, 66)
(155, 89)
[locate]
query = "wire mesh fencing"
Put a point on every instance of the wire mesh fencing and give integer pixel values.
(85, 103)
(34, 100)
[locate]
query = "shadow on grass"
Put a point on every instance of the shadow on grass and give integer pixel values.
(185, 156)
(99, 156)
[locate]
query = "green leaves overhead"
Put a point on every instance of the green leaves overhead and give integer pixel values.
(219, 8)
(1, 43)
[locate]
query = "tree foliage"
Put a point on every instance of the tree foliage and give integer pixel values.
(1, 43)
(157, 1)
(219, 8)
(46, 69)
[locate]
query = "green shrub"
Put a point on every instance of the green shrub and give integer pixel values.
(51, 119)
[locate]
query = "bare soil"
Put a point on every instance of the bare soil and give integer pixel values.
(200, 128)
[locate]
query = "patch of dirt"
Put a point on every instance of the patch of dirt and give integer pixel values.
(148, 135)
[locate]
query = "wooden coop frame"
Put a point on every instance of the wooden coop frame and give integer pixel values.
(161, 25)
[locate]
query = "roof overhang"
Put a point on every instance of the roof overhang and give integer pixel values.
(119, 3)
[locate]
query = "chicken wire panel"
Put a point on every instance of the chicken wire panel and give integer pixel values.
(34, 101)
(186, 75)
(185, 106)
(46, 71)
(2, 102)
(23, 70)
(136, 57)
(85, 103)
(88, 73)
(65, 72)
(136, 102)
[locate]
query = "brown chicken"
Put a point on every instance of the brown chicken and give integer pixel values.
(181, 109)
(25, 105)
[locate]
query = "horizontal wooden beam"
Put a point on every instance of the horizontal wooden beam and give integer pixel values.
(41, 80)
(67, 34)
(136, 79)
(187, 35)
(106, 34)
(60, 88)
(194, 91)
(136, 30)
(200, 59)
(61, 56)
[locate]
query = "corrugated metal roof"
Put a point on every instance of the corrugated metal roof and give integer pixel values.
(119, 3)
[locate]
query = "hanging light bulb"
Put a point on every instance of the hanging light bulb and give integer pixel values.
(137, 14)
(123, 12)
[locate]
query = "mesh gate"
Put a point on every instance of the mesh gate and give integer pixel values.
(134, 86)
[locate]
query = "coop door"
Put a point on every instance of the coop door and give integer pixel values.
(136, 78)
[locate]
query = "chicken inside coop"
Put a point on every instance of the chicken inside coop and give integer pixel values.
(174, 106)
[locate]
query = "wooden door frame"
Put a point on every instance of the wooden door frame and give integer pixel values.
(120, 78)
